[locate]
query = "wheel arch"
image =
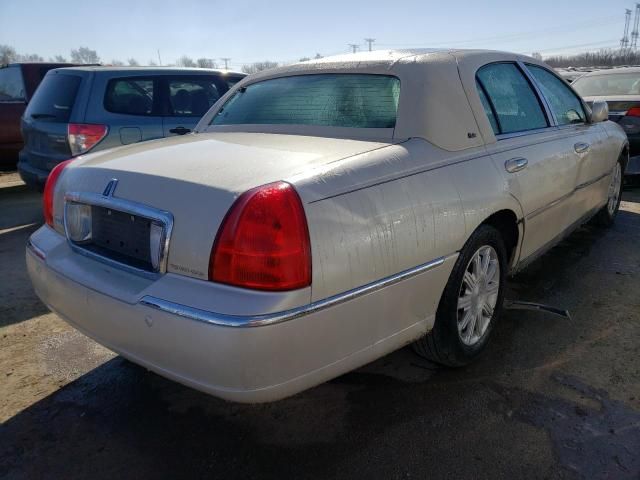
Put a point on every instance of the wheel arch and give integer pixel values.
(506, 222)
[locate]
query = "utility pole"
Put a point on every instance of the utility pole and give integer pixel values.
(226, 62)
(369, 41)
(624, 42)
(354, 46)
(634, 33)
(159, 59)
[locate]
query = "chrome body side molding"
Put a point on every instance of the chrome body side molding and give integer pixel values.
(278, 317)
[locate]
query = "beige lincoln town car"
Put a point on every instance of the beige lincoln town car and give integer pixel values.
(324, 214)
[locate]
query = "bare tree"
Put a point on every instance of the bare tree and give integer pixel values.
(317, 56)
(84, 55)
(7, 54)
(117, 63)
(185, 61)
(59, 59)
(29, 57)
(259, 66)
(151, 63)
(602, 58)
(206, 63)
(132, 62)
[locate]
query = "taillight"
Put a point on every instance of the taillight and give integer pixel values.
(633, 112)
(83, 137)
(49, 189)
(263, 242)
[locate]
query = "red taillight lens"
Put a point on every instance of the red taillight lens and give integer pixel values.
(633, 112)
(83, 137)
(49, 188)
(263, 242)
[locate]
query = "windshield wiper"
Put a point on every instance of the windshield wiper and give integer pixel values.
(42, 115)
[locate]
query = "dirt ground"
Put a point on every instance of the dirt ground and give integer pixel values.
(552, 397)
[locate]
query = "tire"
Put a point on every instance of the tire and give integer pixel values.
(607, 215)
(448, 344)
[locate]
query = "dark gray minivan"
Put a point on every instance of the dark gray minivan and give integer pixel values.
(81, 109)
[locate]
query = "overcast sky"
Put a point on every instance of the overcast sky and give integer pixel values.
(249, 30)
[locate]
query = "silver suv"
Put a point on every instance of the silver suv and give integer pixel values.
(81, 109)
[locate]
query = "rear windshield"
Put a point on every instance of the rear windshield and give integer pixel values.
(333, 100)
(54, 98)
(608, 84)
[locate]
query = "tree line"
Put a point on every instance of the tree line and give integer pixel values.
(85, 55)
(602, 58)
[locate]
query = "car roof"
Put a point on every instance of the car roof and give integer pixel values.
(388, 60)
(159, 69)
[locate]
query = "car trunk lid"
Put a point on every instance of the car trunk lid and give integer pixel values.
(197, 178)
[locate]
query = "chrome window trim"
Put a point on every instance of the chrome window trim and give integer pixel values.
(522, 133)
(163, 217)
(585, 110)
(244, 321)
(551, 118)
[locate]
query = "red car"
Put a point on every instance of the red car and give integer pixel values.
(18, 82)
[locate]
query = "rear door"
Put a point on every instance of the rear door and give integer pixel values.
(536, 158)
(188, 97)
(130, 106)
(45, 121)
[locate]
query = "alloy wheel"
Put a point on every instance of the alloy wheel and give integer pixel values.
(478, 295)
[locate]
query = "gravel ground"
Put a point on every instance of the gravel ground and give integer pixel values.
(552, 397)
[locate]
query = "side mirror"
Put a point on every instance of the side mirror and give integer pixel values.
(599, 111)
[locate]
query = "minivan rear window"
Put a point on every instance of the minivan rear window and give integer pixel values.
(332, 100)
(54, 98)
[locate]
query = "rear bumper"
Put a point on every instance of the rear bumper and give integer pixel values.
(33, 177)
(238, 358)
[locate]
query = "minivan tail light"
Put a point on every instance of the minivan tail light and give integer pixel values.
(83, 136)
(263, 242)
(49, 190)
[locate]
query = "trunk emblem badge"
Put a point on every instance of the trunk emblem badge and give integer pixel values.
(110, 188)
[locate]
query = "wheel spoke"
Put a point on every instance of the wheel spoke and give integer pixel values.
(487, 308)
(465, 320)
(464, 303)
(470, 280)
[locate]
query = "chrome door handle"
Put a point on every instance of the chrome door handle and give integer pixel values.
(514, 165)
(581, 147)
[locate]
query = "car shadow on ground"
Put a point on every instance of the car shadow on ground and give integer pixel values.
(398, 415)
(18, 301)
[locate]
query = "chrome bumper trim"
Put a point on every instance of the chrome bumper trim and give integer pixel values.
(278, 317)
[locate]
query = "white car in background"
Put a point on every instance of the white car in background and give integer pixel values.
(325, 214)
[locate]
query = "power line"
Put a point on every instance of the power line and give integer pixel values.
(226, 62)
(514, 36)
(354, 46)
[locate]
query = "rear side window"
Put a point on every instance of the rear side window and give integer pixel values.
(563, 102)
(514, 102)
(54, 98)
(193, 97)
(334, 100)
(11, 85)
(130, 96)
